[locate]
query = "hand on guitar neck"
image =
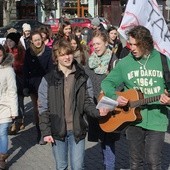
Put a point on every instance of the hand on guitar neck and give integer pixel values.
(165, 99)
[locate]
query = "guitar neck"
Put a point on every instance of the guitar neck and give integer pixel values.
(144, 101)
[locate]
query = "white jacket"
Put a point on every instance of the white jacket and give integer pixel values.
(8, 91)
(22, 41)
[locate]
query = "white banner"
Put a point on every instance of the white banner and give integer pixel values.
(147, 13)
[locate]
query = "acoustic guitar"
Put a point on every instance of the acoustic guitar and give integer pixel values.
(122, 116)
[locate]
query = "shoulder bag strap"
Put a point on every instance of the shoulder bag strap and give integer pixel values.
(113, 61)
(166, 72)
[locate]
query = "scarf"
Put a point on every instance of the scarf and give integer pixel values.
(100, 63)
(37, 51)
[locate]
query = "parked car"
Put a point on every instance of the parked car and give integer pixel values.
(106, 23)
(84, 23)
(17, 24)
(54, 24)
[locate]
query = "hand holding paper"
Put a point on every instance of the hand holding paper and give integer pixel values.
(107, 103)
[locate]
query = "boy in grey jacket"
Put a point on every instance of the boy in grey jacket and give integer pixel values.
(64, 100)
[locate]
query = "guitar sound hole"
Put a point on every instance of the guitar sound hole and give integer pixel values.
(126, 108)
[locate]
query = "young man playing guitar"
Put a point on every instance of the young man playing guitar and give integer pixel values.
(142, 70)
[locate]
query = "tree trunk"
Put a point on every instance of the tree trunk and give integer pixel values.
(7, 9)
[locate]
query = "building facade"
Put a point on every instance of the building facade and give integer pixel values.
(43, 9)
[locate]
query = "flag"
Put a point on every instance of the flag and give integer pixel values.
(148, 14)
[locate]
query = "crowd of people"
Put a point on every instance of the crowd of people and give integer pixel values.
(65, 74)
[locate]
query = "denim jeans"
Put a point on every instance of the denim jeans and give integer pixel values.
(76, 152)
(145, 144)
(109, 155)
(4, 138)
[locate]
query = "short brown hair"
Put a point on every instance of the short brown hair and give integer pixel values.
(60, 47)
(101, 35)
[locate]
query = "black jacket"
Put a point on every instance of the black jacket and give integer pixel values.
(35, 67)
(51, 104)
(116, 47)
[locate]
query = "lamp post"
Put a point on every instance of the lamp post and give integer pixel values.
(167, 8)
(168, 3)
(78, 8)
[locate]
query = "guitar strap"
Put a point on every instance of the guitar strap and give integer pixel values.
(166, 72)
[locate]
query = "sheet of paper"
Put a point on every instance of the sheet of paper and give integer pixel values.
(107, 102)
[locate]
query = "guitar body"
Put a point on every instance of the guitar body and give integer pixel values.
(122, 116)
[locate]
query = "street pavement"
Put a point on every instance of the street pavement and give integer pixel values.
(26, 154)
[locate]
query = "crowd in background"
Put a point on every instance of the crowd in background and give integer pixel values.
(33, 57)
(62, 74)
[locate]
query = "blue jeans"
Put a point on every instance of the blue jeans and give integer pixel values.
(76, 152)
(145, 144)
(109, 155)
(4, 138)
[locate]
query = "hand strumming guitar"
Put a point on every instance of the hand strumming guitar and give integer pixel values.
(122, 101)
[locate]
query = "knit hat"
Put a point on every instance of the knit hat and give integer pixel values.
(14, 37)
(11, 30)
(26, 27)
(95, 22)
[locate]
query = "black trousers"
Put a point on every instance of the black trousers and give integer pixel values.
(144, 145)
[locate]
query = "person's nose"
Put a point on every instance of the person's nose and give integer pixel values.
(95, 46)
(67, 56)
(132, 47)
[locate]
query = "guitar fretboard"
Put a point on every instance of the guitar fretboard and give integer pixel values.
(144, 101)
